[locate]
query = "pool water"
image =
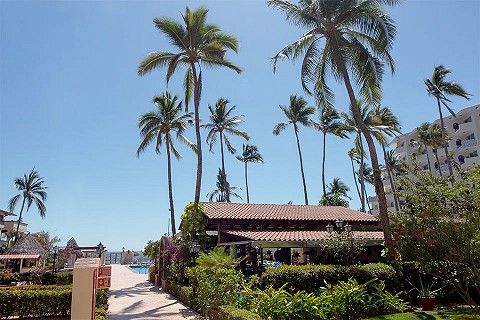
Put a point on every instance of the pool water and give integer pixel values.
(140, 269)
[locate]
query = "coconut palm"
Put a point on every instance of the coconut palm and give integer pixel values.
(223, 122)
(438, 87)
(223, 190)
(198, 43)
(366, 175)
(393, 165)
(249, 154)
(423, 133)
(436, 141)
(329, 122)
(157, 127)
(350, 39)
(31, 190)
(337, 187)
(354, 155)
(297, 113)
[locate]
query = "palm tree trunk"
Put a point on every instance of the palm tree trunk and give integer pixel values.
(361, 172)
(377, 181)
(445, 146)
(301, 164)
(438, 162)
(368, 204)
(428, 158)
(355, 180)
(390, 177)
(169, 177)
(323, 164)
(197, 85)
(227, 191)
(19, 219)
(246, 182)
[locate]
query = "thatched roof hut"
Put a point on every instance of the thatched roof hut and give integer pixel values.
(28, 251)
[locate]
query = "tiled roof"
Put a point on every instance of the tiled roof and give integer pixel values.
(309, 235)
(224, 210)
(6, 213)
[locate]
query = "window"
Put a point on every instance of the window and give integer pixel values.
(456, 126)
(461, 159)
(469, 119)
(471, 137)
(474, 154)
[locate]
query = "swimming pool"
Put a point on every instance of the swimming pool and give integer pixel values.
(140, 269)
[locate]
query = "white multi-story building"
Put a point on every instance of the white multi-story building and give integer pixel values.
(464, 143)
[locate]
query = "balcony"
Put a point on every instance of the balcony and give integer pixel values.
(466, 144)
(463, 129)
(12, 226)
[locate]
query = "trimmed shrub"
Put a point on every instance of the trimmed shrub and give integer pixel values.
(234, 313)
(310, 278)
(184, 294)
(62, 278)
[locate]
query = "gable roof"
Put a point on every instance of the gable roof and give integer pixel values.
(6, 213)
(27, 245)
(250, 211)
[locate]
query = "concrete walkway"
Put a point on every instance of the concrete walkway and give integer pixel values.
(131, 296)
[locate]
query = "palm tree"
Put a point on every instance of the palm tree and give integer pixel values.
(423, 133)
(328, 123)
(223, 190)
(223, 122)
(392, 164)
(198, 43)
(297, 113)
(337, 187)
(354, 155)
(32, 190)
(436, 140)
(249, 154)
(357, 36)
(366, 175)
(157, 127)
(438, 87)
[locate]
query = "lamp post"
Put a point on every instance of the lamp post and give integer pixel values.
(348, 228)
(194, 249)
(55, 253)
(100, 249)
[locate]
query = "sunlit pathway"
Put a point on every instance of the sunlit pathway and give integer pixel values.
(133, 297)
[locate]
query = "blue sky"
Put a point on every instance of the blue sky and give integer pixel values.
(70, 98)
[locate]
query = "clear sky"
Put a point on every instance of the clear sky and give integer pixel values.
(70, 99)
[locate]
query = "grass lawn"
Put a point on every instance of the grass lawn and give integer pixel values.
(453, 314)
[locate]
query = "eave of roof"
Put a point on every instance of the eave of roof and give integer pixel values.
(304, 235)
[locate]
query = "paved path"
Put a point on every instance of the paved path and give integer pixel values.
(131, 296)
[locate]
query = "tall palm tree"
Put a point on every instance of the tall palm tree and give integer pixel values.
(297, 113)
(223, 190)
(354, 155)
(157, 127)
(198, 43)
(249, 154)
(223, 122)
(337, 187)
(423, 133)
(438, 87)
(350, 39)
(436, 140)
(392, 164)
(32, 190)
(329, 122)
(367, 177)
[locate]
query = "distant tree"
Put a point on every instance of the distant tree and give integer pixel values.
(157, 127)
(297, 113)
(223, 190)
(198, 43)
(151, 250)
(221, 122)
(423, 135)
(438, 87)
(32, 190)
(249, 154)
(334, 200)
(43, 237)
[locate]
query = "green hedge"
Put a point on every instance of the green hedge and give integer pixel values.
(234, 313)
(184, 294)
(310, 278)
(42, 301)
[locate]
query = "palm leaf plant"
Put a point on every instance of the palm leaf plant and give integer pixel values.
(250, 154)
(157, 127)
(297, 113)
(198, 44)
(351, 40)
(221, 122)
(440, 88)
(220, 194)
(423, 133)
(354, 154)
(31, 190)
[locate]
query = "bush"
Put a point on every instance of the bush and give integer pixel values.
(234, 313)
(310, 278)
(214, 287)
(62, 278)
(6, 277)
(184, 294)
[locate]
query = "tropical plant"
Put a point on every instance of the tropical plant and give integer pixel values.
(329, 122)
(344, 247)
(249, 154)
(426, 289)
(198, 43)
(354, 155)
(223, 190)
(436, 142)
(151, 250)
(223, 122)
(47, 242)
(337, 187)
(32, 190)
(439, 87)
(357, 36)
(157, 127)
(297, 113)
(424, 139)
(218, 258)
(334, 200)
(193, 224)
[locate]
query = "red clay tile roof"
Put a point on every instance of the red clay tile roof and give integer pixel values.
(6, 213)
(224, 210)
(312, 235)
